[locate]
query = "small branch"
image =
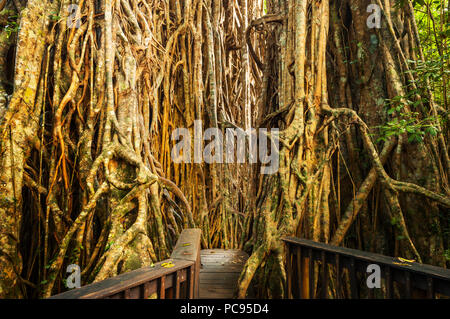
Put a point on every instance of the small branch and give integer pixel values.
(272, 18)
(388, 181)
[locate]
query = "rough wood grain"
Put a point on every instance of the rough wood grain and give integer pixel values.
(220, 272)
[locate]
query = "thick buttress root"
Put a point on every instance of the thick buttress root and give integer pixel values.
(86, 169)
(320, 134)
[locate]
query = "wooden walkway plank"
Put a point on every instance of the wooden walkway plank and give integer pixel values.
(220, 272)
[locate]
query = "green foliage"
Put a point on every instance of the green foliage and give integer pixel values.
(55, 16)
(400, 3)
(395, 221)
(11, 28)
(411, 123)
(447, 254)
(108, 246)
(434, 31)
(75, 253)
(408, 123)
(432, 70)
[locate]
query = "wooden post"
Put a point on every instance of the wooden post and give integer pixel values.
(311, 274)
(299, 271)
(176, 284)
(353, 281)
(389, 286)
(407, 285)
(162, 287)
(188, 248)
(324, 275)
(305, 277)
(288, 292)
(338, 275)
(430, 288)
(191, 280)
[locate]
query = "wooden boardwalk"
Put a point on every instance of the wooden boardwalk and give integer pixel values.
(219, 272)
(213, 274)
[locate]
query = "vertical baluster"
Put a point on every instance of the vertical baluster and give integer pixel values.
(289, 272)
(176, 284)
(311, 274)
(353, 281)
(190, 281)
(162, 287)
(126, 294)
(430, 288)
(338, 276)
(197, 266)
(407, 284)
(145, 290)
(388, 280)
(371, 293)
(324, 276)
(299, 270)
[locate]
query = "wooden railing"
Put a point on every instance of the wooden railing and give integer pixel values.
(318, 270)
(178, 281)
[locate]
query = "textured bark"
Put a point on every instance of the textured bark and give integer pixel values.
(86, 171)
(18, 128)
(331, 97)
(86, 137)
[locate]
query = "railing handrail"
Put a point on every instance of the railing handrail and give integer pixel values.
(188, 248)
(412, 274)
(186, 266)
(393, 262)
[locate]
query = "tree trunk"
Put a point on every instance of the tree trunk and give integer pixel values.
(88, 175)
